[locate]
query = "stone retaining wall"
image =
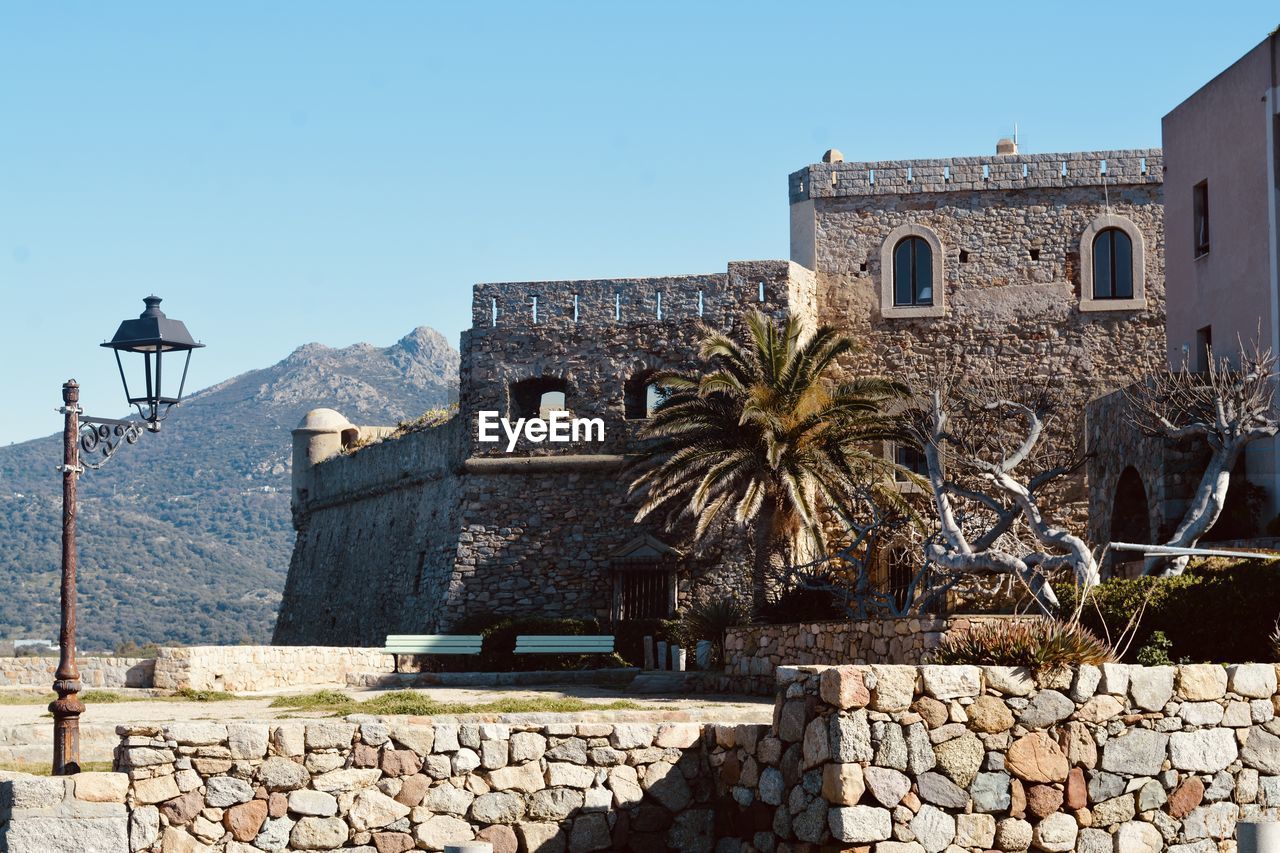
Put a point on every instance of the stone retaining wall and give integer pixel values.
(94, 672)
(392, 785)
(875, 758)
(248, 668)
(1111, 759)
(758, 650)
(83, 813)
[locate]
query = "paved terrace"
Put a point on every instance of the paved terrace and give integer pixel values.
(26, 729)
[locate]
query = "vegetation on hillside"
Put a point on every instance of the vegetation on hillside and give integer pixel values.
(186, 536)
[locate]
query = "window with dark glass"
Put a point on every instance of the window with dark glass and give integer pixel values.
(912, 273)
(1112, 265)
(912, 460)
(1200, 204)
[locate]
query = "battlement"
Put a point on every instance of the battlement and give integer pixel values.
(996, 172)
(713, 298)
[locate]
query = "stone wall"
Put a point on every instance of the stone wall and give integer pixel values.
(84, 813)
(393, 785)
(898, 759)
(1116, 758)
(758, 650)
(94, 672)
(377, 537)
(249, 668)
(1168, 473)
(969, 174)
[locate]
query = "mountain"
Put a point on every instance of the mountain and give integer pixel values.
(185, 537)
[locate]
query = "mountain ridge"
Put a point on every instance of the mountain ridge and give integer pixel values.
(186, 536)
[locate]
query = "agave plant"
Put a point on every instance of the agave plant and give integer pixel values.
(708, 619)
(1041, 643)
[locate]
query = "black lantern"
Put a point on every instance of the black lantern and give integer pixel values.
(151, 336)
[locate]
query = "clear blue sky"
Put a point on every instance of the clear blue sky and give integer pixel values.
(290, 172)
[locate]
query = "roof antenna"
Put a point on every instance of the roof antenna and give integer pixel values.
(1015, 133)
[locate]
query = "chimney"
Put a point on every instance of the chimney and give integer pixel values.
(1005, 147)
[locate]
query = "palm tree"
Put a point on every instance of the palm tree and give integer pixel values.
(767, 433)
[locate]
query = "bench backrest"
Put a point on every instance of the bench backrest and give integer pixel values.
(572, 644)
(434, 644)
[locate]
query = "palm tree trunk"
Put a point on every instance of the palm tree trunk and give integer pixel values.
(767, 558)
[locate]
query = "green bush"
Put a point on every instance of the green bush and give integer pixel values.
(1217, 611)
(708, 619)
(628, 637)
(1156, 650)
(498, 653)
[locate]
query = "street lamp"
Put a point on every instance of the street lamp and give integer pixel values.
(152, 335)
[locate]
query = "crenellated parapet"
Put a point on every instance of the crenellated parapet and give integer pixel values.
(998, 172)
(713, 299)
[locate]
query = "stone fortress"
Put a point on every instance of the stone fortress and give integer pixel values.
(985, 262)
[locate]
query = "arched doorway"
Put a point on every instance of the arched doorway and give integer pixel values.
(1130, 515)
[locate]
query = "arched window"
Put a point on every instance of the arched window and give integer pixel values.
(1112, 265)
(912, 273)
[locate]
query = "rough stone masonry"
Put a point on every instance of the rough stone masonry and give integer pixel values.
(882, 759)
(413, 535)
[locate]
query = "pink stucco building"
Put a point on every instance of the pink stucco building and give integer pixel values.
(1222, 203)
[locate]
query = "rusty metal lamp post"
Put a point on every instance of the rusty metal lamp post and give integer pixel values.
(152, 335)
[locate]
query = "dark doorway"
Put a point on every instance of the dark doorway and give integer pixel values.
(1130, 516)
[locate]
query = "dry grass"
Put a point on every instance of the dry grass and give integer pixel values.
(45, 768)
(110, 697)
(420, 704)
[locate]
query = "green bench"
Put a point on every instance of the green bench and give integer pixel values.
(540, 644)
(433, 644)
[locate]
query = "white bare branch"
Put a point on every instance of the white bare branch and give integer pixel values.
(1228, 405)
(991, 457)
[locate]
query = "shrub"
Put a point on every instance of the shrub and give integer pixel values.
(1038, 643)
(1155, 652)
(1217, 611)
(707, 620)
(628, 637)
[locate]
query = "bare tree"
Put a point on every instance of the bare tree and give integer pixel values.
(874, 527)
(986, 447)
(1228, 405)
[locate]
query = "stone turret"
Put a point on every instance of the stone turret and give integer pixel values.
(320, 435)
